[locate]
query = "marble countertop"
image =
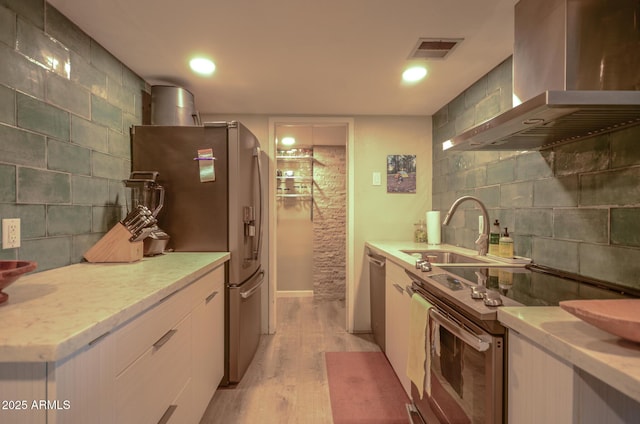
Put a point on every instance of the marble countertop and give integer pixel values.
(607, 357)
(53, 313)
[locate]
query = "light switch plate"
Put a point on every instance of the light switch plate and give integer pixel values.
(377, 180)
(10, 233)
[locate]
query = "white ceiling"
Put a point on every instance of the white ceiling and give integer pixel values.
(322, 57)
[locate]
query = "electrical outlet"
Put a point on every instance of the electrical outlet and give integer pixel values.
(10, 233)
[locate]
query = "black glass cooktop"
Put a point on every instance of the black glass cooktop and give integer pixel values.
(534, 286)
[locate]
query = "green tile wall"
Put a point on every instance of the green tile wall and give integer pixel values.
(575, 207)
(64, 133)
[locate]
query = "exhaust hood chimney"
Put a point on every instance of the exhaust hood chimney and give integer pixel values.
(576, 74)
(575, 45)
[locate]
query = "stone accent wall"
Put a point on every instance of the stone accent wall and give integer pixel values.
(575, 207)
(66, 105)
(329, 222)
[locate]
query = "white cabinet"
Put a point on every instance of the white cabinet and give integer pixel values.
(170, 360)
(76, 389)
(397, 307)
(80, 387)
(20, 385)
(163, 365)
(539, 385)
(145, 390)
(543, 388)
(208, 343)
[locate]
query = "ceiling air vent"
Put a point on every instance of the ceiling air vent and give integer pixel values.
(434, 48)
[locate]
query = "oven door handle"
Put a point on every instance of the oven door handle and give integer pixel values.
(473, 340)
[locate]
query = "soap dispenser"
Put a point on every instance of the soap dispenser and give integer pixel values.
(505, 245)
(494, 238)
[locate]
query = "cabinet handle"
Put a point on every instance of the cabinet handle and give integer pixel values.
(210, 297)
(164, 339)
(168, 296)
(398, 287)
(97, 339)
(167, 414)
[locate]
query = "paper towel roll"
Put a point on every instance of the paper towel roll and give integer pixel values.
(433, 227)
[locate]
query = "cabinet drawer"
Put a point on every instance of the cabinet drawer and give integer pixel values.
(137, 335)
(183, 404)
(208, 350)
(398, 306)
(206, 284)
(145, 390)
(395, 274)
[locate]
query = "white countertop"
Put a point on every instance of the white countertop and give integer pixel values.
(607, 357)
(53, 313)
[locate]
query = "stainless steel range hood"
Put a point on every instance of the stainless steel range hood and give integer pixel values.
(576, 68)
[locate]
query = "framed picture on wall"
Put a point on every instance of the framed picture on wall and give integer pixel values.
(401, 174)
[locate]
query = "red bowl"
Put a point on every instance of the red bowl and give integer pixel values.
(10, 271)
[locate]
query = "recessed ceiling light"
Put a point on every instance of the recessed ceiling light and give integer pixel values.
(202, 66)
(288, 141)
(414, 74)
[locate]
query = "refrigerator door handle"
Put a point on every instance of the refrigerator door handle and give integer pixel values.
(258, 249)
(247, 294)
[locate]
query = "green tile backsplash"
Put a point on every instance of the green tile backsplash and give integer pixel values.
(41, 117)
(66, 105)
(574, 207)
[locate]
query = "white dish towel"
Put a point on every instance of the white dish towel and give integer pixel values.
(419, 356)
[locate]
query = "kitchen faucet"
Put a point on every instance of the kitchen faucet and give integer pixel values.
(483, 239)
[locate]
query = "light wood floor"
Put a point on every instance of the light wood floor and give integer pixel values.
(287, 380)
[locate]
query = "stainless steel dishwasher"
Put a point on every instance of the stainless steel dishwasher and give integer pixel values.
(377, 296)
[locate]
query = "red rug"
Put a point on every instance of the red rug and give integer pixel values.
(364, 389)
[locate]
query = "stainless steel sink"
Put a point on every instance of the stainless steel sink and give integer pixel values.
(444, 257)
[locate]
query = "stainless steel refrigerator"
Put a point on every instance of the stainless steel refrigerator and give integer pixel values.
(213, 202)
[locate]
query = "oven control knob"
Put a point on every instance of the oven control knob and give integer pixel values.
(492, 298)
(478, 292)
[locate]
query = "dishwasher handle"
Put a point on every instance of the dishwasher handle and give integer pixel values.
(375, 261)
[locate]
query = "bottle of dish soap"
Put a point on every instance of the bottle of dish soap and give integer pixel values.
(505, 245)
(494, 238)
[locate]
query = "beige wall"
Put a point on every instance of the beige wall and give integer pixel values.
(378, 215)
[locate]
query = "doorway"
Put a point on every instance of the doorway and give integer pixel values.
(312, 243)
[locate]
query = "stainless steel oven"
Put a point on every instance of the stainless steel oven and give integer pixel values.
(464, 380)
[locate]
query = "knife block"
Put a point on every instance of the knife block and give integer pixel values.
(115, 247)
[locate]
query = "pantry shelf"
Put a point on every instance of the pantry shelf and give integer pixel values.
(298, 196)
